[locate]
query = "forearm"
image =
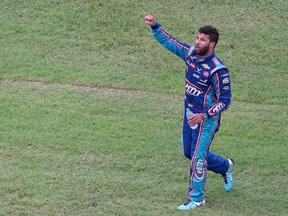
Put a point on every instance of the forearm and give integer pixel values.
(169, 42)
(223, 94)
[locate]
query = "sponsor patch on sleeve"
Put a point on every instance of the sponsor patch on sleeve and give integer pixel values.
(225, 81)
(226, 87)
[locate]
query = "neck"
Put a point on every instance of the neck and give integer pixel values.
(210, 52)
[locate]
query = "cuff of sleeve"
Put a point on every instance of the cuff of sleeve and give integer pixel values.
(156, 26)
(206, 113)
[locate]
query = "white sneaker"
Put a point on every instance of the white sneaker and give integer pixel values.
(191, 205)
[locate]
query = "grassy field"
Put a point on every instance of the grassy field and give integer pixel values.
(91, 107)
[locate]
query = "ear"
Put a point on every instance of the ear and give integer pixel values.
(212, 44)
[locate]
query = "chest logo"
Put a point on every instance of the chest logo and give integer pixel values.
(198, 70)
(206, 74)
(206, 66)
(191, 90)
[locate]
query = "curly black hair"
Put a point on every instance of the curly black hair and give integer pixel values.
(211, 31)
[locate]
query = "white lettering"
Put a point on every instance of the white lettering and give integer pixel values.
(218, 108)
(192, 90)
(196, 76)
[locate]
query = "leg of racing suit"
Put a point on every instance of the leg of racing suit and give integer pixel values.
(196, 145)
(215, 163)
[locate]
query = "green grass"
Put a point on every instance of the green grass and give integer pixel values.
(91, 107)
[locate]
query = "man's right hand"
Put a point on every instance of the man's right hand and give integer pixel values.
(150, 20)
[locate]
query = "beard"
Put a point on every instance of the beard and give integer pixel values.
(203, 51)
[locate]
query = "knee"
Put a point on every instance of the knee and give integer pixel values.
(187, 154)
(186, 148)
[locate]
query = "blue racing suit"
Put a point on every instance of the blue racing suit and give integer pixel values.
(207, 90)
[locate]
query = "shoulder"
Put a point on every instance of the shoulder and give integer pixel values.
(218, 65)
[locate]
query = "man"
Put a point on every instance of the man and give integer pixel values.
(207, 95)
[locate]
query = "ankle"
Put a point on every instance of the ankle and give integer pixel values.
(231, 165)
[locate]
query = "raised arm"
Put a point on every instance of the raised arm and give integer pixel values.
(166, 40)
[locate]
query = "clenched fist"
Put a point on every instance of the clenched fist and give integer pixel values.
(150, 20)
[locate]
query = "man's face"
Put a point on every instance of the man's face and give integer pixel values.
(203, 45)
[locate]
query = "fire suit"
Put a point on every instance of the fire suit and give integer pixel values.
(207, 90)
